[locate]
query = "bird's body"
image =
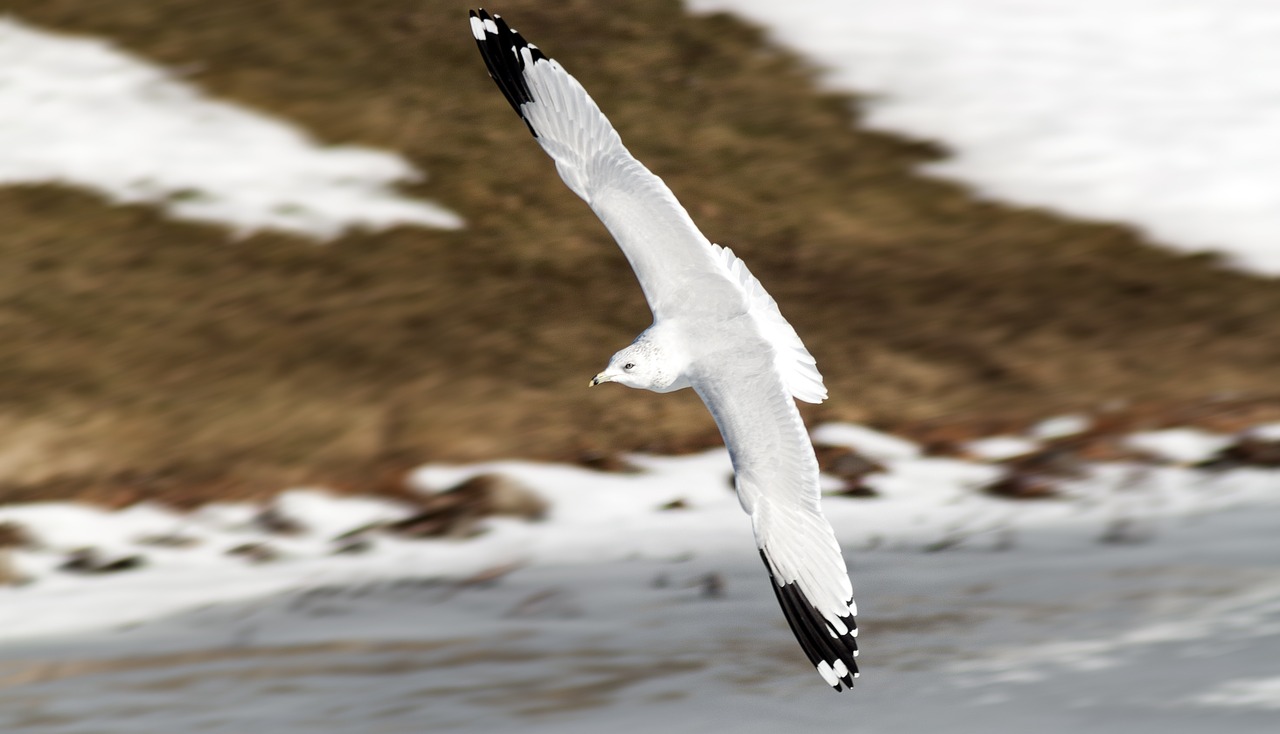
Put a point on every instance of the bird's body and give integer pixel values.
(715, 329)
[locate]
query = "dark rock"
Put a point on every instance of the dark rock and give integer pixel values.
(360, 531)
(457, 512)
(16, 535)
(273, 520)
(169, 540)
(606, 462)
(845, 463)
(1020, 485)
(353, 546)
(1246, 451)
(1055, 460)
(257, 552)
(92, 561)
(1125, 531)
(712, 586)
(9, 574)
(851, 467)
(856, 488)
(501, 495)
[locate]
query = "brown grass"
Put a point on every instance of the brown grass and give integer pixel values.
(144, 357)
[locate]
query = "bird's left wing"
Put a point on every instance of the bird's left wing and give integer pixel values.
(776, 474)
(674, 262)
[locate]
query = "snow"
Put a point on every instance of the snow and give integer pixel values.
(867, 441)
(1055, 634)
(1265, 432)
(998, 448)
(323, 515)
(594, 517)
(979, 613)
(1160, 113)
(1182, 445)
(1060, 427)
(78, 111)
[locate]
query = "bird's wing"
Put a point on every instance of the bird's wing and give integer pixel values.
(669, 254)
(680, 271)
(777, 479)
(667, 251)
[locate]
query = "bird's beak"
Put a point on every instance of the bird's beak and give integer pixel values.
(602, 377)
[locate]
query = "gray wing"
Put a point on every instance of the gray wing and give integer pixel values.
(674, 262)
(777, 479)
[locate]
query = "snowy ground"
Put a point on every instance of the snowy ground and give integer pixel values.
(1147, 597)
(1056, 634)
(79, 111)
(1161, 113)
(593, 517)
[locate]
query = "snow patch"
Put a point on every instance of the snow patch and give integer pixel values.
(999, 448)
(1162, 113)
(1180, 445)
(1265, 432)
(869, 442)
(1060, 427)
(79, 111)
(594, 517)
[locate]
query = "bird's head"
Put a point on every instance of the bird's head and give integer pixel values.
(643, 365)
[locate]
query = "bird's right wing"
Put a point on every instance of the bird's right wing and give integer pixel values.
(674, 262)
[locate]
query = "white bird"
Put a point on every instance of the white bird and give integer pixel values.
(714, 329)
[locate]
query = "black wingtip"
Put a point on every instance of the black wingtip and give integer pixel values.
(827, 651)
(504, 52)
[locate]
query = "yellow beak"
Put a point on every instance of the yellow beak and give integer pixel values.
(599, 379)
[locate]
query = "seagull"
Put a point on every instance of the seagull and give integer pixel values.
(714, 329)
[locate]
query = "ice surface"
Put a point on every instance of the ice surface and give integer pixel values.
(1054, 634)
(1262, 693)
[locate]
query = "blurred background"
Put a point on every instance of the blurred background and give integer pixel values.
(250, 248)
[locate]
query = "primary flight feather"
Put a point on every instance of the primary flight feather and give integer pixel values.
(715, 329)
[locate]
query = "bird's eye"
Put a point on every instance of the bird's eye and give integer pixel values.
(629, 366)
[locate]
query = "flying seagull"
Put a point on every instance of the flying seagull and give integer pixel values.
(714, 329)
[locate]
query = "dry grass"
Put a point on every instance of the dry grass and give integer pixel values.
(144, 357)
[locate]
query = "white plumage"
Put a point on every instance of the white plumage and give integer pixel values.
(715, 329)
